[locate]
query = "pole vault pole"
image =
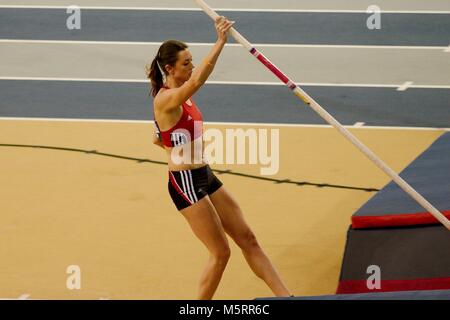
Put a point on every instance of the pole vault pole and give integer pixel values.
(328, 118)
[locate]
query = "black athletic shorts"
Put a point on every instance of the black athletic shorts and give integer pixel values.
(189, 186)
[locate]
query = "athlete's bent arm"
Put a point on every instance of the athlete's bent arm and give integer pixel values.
(171, 99)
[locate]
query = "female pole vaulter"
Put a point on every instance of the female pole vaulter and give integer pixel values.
(197, 193)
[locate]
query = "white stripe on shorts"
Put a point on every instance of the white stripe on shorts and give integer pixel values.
(184, 187)
(192, 185)
(187, 184)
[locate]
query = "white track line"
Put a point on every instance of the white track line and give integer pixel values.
(253, 124)
(322, 84)
(405, 86)
(74, 79)
(206, 44)
(319, 84)
(223, 9)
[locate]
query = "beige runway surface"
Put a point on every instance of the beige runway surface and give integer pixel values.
(108, 211)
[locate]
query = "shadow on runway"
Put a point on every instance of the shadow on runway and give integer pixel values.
(276, 181)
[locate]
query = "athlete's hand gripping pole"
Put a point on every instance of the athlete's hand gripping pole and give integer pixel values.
(332, 121)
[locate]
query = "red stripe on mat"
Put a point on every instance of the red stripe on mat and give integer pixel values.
(360, 286)
(394, 220)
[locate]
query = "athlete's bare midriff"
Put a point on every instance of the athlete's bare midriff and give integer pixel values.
(193, 162)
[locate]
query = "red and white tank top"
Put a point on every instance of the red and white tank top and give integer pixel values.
(187, 129)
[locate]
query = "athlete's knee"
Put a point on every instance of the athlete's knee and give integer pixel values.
(222, 255)
(247, 241)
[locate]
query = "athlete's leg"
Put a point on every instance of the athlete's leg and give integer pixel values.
(238, 229)
(206, 225)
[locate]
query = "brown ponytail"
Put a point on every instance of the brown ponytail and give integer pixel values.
(167, 55)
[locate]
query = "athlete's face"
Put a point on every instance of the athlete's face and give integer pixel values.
(183, 67)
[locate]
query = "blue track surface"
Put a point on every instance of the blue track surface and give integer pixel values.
(258, 27)
(220, 103)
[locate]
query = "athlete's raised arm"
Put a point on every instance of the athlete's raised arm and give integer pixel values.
(189, 80)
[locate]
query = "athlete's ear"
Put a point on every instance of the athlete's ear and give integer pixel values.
(169, 68)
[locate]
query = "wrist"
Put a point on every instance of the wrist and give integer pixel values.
(221, 41)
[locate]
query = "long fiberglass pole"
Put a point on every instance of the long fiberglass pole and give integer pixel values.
(332, 121)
